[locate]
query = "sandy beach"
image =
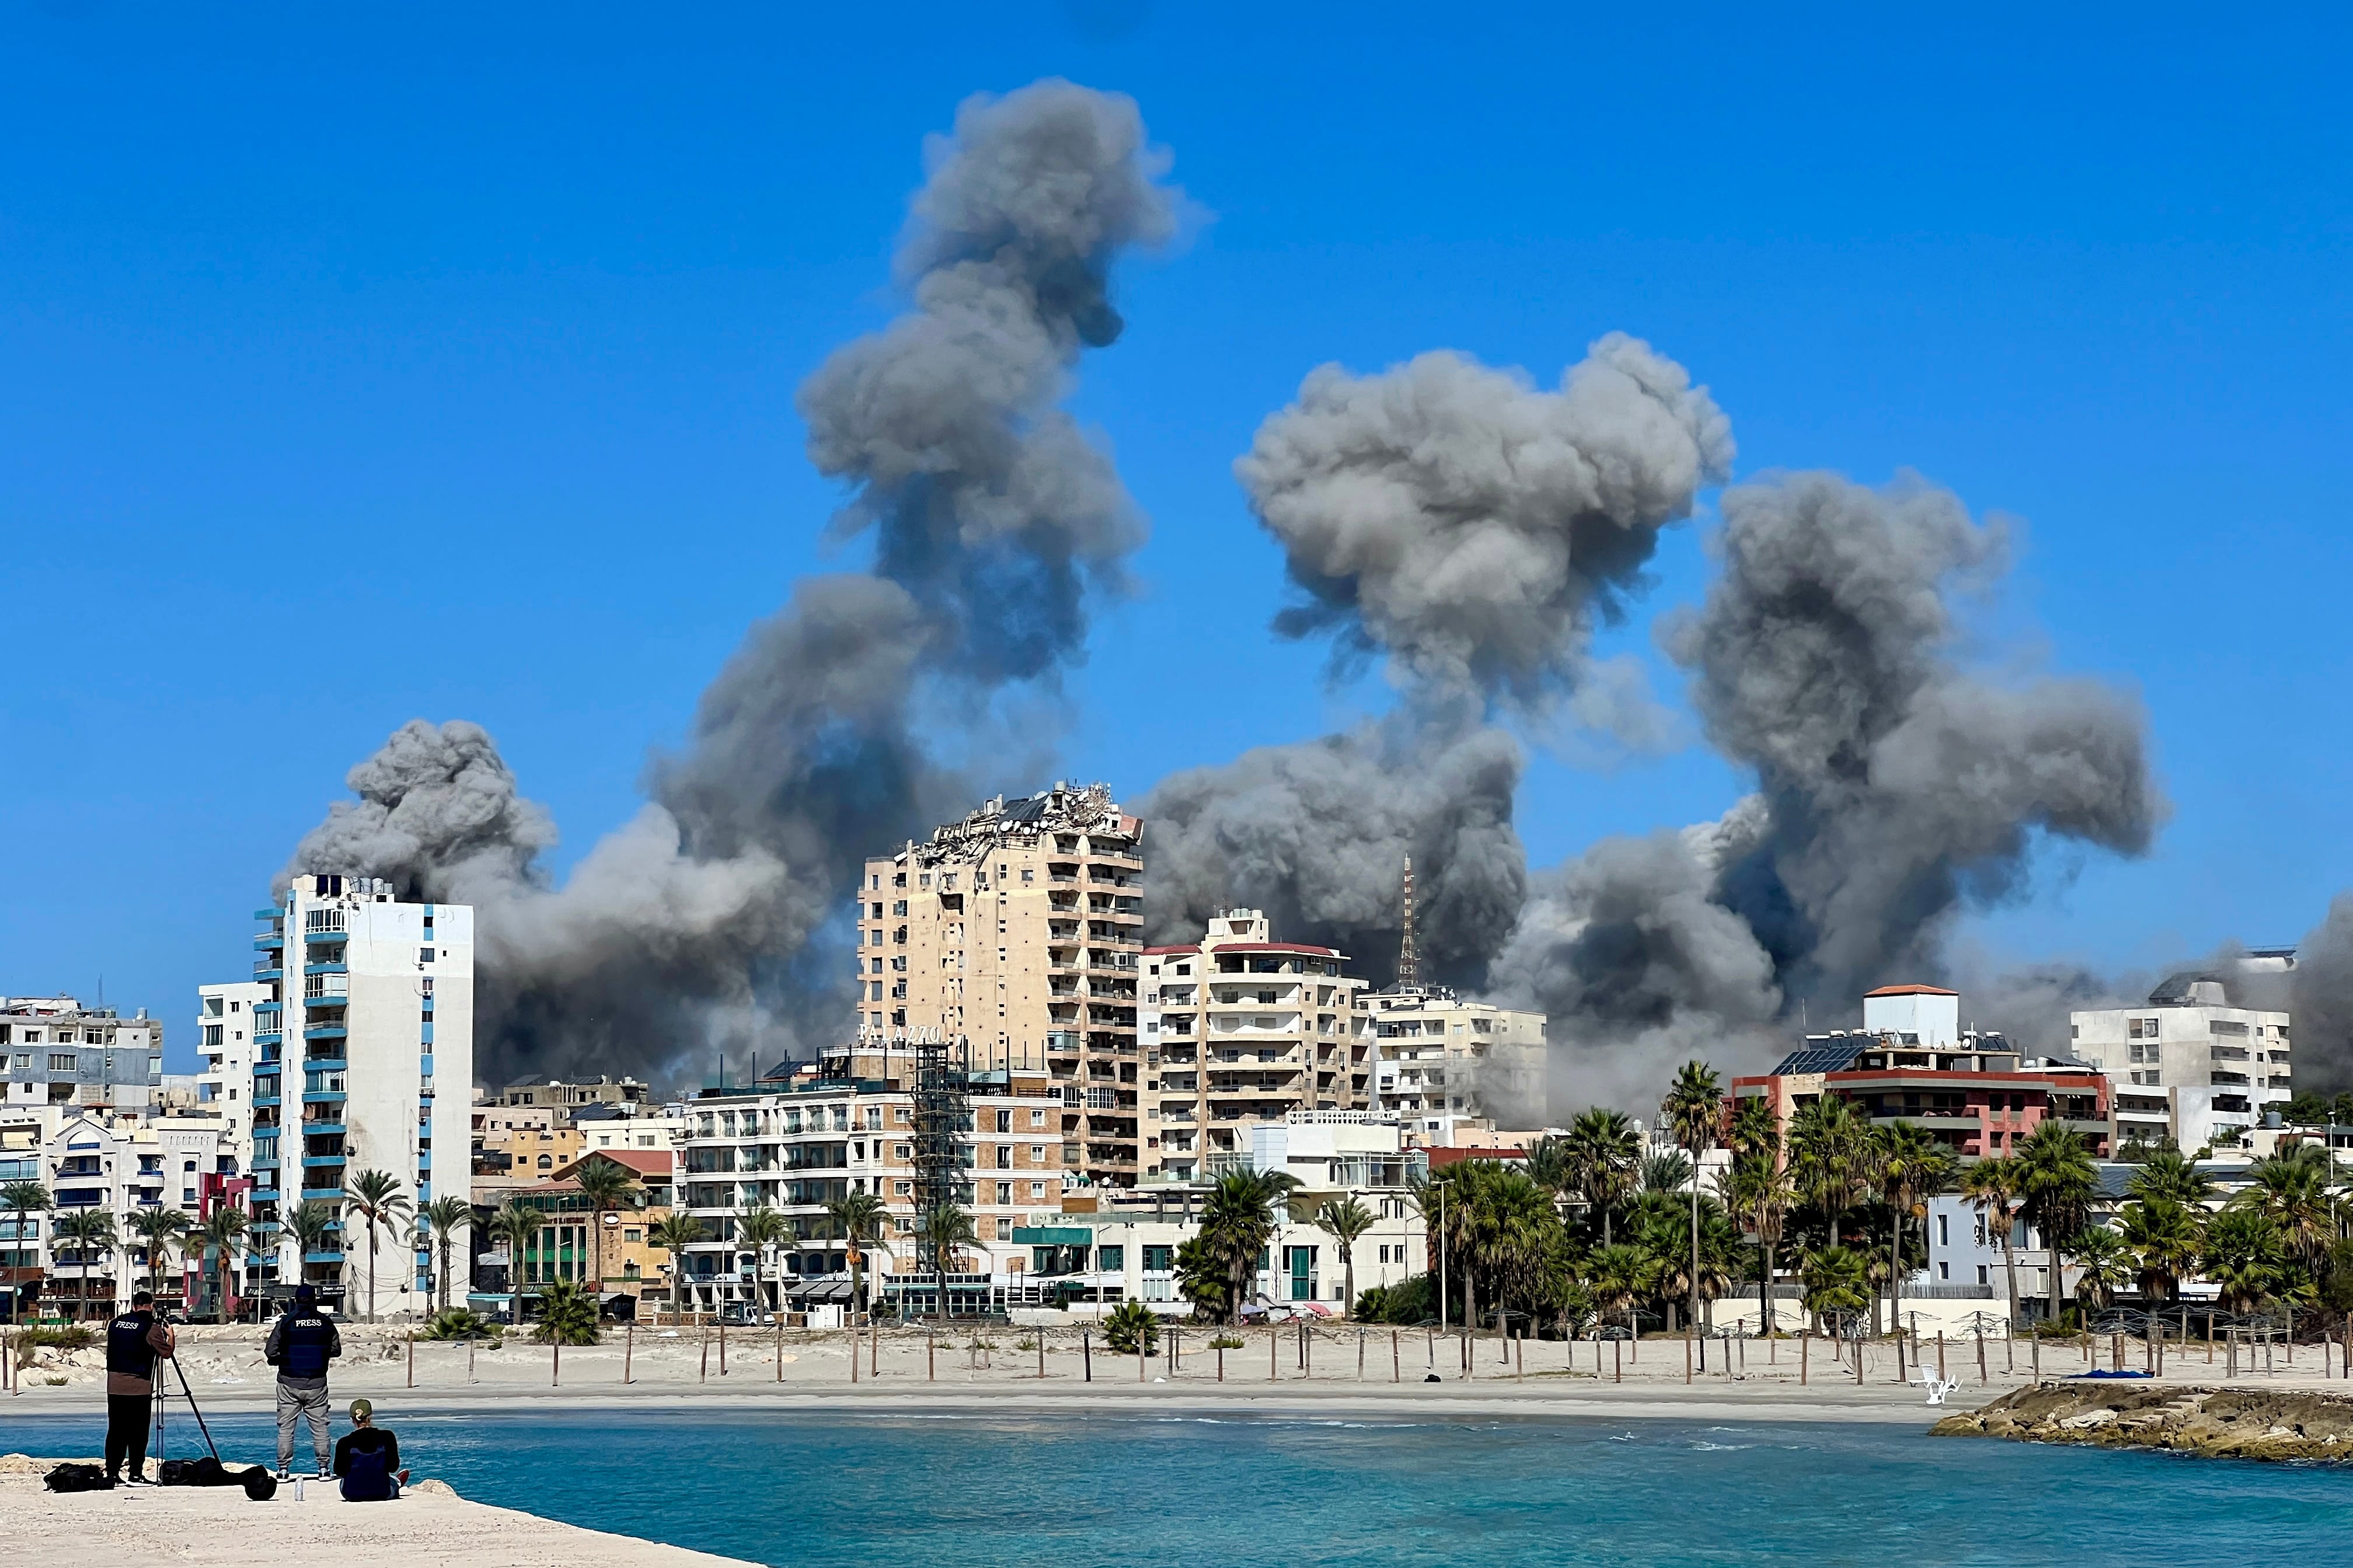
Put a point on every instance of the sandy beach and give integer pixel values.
(998, 1368)
(206, 1525)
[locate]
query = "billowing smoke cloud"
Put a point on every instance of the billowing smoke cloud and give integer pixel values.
(2320, 991)
(1475, 530)
(995, 518)
(1895, 788)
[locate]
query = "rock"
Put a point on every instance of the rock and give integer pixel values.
(431, 1488)
(2227, 1423)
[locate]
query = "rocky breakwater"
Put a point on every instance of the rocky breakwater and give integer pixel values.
(2218, 1423)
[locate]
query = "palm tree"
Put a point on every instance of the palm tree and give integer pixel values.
(1913, 1167)
(519, 1227)
(2057, 1186)
(223, 1233)
(2165, 1173)
(1345, 1220)
(1618, 1275)
(1991, 1187)
(1756, 1188)
(1836, 1282)
(1693, 1111)
(1755, 1129)
(674, 1233)
(1549, 1165)
(1830, 1158)
(309, 1224)
(442, 1217)
(86, 1231)
(1603, 1151)
(1237, 1222)
(1512, 1227)
(2165, 1239)
(946, 1228)
(2244, 1257)
(159, 1229)
(376, 1196)
(759, 1229)
(857, 1219)
(2291, 1190)
(2101, 1263)
(608, 1186)
(23, 1197)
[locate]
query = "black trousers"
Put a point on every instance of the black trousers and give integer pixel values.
(127, 1416)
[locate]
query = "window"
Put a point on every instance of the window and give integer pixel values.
(1944, 1271)
(1037, 1190)
(1981, 1275)
(424, 955)
(902, 1189)
(1036, 1118)
(1027, 875)
(1944, 1230)
(62, 1061)
(1036, 1154)
(1109, 1257)
(902, 1151)
(629, 1235)
(1005, 1121)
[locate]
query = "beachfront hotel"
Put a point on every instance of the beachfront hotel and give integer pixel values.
(370, 1012)
(1018, 929)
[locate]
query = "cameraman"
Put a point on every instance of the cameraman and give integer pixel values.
(133, 1340)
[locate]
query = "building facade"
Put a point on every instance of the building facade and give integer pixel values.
(2190, 1066)
(60, 1053)
(1018, 930)
(1241, 1032)
(1437, 1054)
(225, 1031)
(372, 1000)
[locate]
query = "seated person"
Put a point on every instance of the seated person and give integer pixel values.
(368, 1458)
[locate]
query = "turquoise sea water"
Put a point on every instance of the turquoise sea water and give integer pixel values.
(1068, 1490)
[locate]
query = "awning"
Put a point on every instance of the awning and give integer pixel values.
(822, 1291)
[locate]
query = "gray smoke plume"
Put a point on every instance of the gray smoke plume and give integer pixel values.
(1476, 529)
(1895, 788)
(699, 925)
(1472, 526)
(2320, 993)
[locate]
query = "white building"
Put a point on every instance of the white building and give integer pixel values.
(225, 1030)
(350, 1081)
(58, 1052)
(123, 1164)
(1441, 1056)
(2192, 1066)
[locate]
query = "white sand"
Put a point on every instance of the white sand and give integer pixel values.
(205, 1525)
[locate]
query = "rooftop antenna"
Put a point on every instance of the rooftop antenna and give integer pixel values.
(1409, 962)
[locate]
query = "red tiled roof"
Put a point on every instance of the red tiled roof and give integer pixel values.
(644, 1162)
(1911, 991)
(1152, 952)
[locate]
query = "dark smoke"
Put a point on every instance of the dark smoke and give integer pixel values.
(2320, 991)
(1895, 788)
(1475, 530)
(995, 518)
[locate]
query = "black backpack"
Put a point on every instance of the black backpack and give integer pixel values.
(78, 1479)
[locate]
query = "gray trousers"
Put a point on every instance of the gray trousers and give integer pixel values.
(312, 1404)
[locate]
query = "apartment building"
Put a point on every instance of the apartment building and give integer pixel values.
(567, 1095)
(2192, 1066)
(24, 1244)
(382, 1016)
(847, 1125)
(60, 1053)
(1241, 1031)
(1438, 1055)
(1018, 930)
(225, 1031)
(121, 1165)
(1912, 1061)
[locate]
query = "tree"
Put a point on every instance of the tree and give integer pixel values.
(947, 1229)
(23, 1198)
(1913, 1167)
(567, 1314)
(223, 1233)
(519, 1227)
(1202, 1279)
(1830, 1158)
(607, 1185)
(2101, 1263)
(2165, 1173)
(857, 1219)
(2243, 1256)
(1755, 1128)
(376, 1196)
(161, 1229)
(1131, 1329)
(85, 1231)
(674, 1233)
(1756, 1188)
(2165, 1240)
(1511, 1233)
(1237, 1222)
(1836, 1279)
(442, 1217)
(2057, 1186)
(2292, 1191)
(1345, 1220)
(309, 1224)
(1618, 1276)
(1991, 1187)
(1694, 1109)
(1601, 1154)
(758, 1229)
(1549, 1165)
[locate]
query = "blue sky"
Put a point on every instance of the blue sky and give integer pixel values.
(359, 368)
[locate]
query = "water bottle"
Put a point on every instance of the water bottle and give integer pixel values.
(298, 1488)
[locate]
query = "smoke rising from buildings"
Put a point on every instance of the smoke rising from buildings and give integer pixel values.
(995, 517)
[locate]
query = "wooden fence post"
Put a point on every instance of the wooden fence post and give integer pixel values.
(412, 1358)
(555, 1367)
(1397, 1359)
(1086, 1358)
(1805, 1350)
(628, 1352)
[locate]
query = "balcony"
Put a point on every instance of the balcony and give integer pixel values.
(324, 1061)
(326, 999)
(267, 972)
(322, 1127)
(324, 1032)
(322, 1195)
(324, 937)
(270, 943)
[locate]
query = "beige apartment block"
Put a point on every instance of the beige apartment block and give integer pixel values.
(1240, 1031)
(1440, 1054)
(1018, 932)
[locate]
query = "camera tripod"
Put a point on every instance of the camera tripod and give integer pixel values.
(163, 1401)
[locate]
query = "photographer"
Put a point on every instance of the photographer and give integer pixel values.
(133, 1340)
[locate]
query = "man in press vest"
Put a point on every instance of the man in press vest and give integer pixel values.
(301, 1345)
(133, 1340)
